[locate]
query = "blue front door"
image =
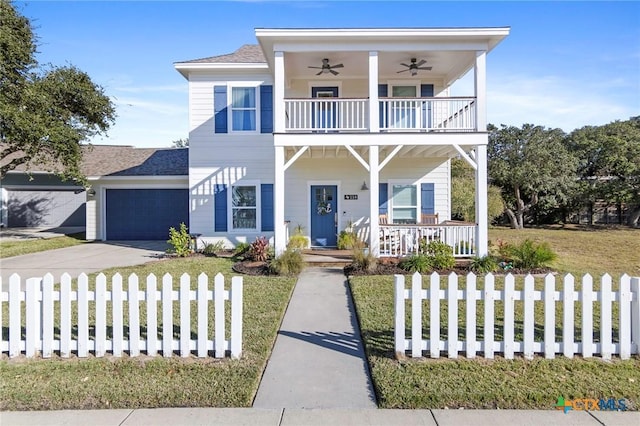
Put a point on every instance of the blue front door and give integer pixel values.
(324, 210)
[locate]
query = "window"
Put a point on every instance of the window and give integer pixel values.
(243, 108)
(244, 207)
(405, 204)
(403, 112)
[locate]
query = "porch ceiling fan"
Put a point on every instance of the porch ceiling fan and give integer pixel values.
(326, 68)
(415, 66)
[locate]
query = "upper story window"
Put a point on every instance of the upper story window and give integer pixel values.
(243, 109)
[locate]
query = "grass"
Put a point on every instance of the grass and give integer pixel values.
(157, 382)
(500, 383)
(10, 248)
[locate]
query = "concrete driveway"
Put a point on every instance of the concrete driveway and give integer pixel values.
(89, 257)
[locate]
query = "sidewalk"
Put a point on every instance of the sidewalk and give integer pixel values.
(290, 417)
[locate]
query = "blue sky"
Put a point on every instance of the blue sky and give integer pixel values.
(565, 64)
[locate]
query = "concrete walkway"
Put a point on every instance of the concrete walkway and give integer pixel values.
(318, 359)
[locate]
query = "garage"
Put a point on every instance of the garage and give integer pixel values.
(43, 208)
(145, 214)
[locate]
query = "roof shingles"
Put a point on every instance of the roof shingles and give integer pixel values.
(247, 54)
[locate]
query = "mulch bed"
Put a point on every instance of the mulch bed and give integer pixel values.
(248, 267)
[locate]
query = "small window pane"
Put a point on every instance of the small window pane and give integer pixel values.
(404, 91)
(244, 196)
(243, 97)
(244, 120)
(244, 219)
(404, 195)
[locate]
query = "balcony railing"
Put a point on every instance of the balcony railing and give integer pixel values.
(402, 240)
(396, 114)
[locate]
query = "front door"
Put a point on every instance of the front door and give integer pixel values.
(325, 111)
(324, 210)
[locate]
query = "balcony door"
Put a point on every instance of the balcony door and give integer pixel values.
(325, 114)
(404, 110)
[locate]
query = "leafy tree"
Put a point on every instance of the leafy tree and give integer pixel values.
(609, 163)
(180, 143)
(463, 190)
(45, 113)
(532, 166)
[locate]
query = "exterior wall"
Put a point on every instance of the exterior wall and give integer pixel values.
(95, 206)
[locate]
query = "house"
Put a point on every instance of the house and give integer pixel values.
(133, 194)
(328, 129)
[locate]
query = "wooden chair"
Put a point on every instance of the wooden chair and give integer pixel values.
(429, 219)
(383, 220)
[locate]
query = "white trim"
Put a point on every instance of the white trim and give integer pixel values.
(242, 84)
(338, 185)
(324, 83)
(139, 177)
(41, 187)
(257, 185)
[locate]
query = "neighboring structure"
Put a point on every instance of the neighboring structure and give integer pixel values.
(134, 194)
(325, 128)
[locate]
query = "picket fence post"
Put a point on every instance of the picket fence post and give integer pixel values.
(635, 313)
(236, 317)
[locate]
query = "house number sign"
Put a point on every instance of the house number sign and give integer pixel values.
(351, 196)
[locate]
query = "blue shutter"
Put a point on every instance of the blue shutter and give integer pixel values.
(427, 200)
(426, 91)
(383, 92)
(266, 109)
(220, 108)
(383, 198)
(266, 206)
(220, 211)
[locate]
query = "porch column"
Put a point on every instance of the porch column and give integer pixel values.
(480, 83)
(374, 212)
(280, 242)
(279, 123)
(482, 231)
(374, 111)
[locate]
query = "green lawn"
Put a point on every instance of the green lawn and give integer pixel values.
(157, 382)
(480, 383)
(10, 248)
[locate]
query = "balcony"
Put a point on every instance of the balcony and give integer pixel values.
(338, 115)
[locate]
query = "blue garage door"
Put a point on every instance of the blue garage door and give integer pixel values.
(145, 214)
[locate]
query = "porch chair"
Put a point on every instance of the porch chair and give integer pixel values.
(429, 219)
(383, 219)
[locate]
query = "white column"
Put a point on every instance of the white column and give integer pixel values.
(374, 111)
(482, 232)
(374, 213)
(280, 242)
(278, 93)
(480, 83)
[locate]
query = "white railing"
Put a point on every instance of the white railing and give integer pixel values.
(326, 114)
(531, 335)
(401, 240)
(428, 114)
(45, 333)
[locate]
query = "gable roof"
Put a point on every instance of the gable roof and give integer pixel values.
(247, 54)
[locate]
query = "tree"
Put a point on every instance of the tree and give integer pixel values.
(609, 163)
(180, 143)
(463, 200)
(532, 166)
(46, 113)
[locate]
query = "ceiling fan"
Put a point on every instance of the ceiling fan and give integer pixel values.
(414, 67)
(326, 68)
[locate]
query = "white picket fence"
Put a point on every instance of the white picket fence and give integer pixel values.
(588, 300)
(33, 308)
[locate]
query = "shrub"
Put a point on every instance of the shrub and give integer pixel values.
(259, 250)
(241, 250)
(484, 264)
(180, 241)
(298, 241)
(290, 262)
(348, 240)
(364, 261)
(440, 253)
(528, 254)
(417, 263)
(212, 249)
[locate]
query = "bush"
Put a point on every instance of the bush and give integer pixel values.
(290, 262)
(528, 254)
(298, 241)
(212, 249)
(484, 264)
(241, 250)
(440, 253)
(180, 241)
(419, 262)
(259, 250)
(364, 261)
(348, 240)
